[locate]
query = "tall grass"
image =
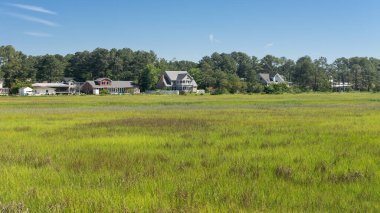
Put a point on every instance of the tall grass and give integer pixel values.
(305, 152)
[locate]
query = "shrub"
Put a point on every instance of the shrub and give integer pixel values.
(255, 88)
(104, 92)
(219, 91)
(295, 89)
(277, 88)
(377, 88)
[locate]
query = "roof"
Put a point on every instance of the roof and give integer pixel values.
(67, 79)
(194, 84)
(176, 75)
(282, 78)
(265, 77)
(101, 79)
(25, 88)
(53, 85)
(115, 84)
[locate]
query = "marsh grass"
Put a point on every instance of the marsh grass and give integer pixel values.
(249, 153)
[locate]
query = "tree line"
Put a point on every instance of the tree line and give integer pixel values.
(221, 72)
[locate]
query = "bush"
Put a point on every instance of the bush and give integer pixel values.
(277, 88)
(219, 91)
(377, 88)
(295, 89)
(104, 92)
(255, 88)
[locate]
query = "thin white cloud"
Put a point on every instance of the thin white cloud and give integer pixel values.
(212, 39)
(33, 8)
(38, 34)
(34, 19)
(269, 45)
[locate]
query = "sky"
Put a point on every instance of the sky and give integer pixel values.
(191, 29)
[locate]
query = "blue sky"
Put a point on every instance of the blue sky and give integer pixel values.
(191, 29)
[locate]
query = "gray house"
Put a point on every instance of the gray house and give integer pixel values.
(266, 79)
(177, 80)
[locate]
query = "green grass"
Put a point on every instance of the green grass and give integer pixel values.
(271, 153)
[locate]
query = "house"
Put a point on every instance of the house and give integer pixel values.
(58, 88)
(279, 79)
(177, 80)
(3, 91)
(340, 86)
(113, 87)
(51, 89)
(74, 87)
(266, 79)
(25, 91)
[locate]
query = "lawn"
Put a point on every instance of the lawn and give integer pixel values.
(264, 153)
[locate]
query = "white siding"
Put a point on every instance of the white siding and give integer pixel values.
(44, 91)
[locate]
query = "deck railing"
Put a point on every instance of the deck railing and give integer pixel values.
(4, 91)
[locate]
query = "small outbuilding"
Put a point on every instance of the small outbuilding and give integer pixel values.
(25, 91)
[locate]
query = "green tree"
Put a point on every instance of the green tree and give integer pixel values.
(99, 63)
(245, 64)
(78, 66)
(270, 64)
(303, 73)
(341, 72)
(149, 78)
(12, 64)
(50, 68)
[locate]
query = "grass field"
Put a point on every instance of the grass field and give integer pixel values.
(270, 153)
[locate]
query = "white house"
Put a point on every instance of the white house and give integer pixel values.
(3, 91)
(50, 88)
(177, 80)
(340, 86)
(25, 91)
(279, 79)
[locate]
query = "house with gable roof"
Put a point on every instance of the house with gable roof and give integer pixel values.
(113, 87)
(266, 79)
(177, 80)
